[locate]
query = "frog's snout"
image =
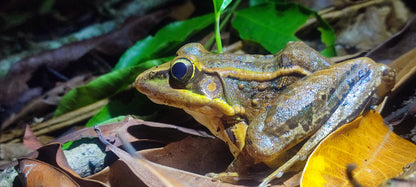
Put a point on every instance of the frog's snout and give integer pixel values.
(141, 80)
(138, 83)
(150, 81)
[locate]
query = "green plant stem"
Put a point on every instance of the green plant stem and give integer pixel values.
(217, 33)
(225, 20)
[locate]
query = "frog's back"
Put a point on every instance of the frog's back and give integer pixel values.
(294, 54)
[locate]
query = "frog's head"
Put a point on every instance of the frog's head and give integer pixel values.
(181, 83)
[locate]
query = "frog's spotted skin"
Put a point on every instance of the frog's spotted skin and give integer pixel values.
(262, 105)
(226, 89)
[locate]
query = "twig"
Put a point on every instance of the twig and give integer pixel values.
(59, 122)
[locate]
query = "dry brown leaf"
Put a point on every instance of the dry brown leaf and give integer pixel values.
(30, 140)
(290, 182)
(405, 67)
(43, 105)
(38, 173)
(117, 175)
(133, 130)
(103, 176)
(120, 175)
(358, 33)
(53, 155)
(193, 154)
(401, 103)
(397, 45)
(153, 174)
(378, 153)
(9, 152)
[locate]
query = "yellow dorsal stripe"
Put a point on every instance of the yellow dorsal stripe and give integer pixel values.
(257, 76)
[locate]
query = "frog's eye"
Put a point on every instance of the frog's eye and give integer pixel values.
(182, 69)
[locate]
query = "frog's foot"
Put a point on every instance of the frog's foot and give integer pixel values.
(281, 170)
(229, 177)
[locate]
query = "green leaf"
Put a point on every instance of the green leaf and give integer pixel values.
(327, 37)
(166, 39)
(274, 24)
(102, 87)
(258, 2)
(66, 145)
(131, 63)
(128, 102)
(220, 5)
(13, 19)
(111, 120)
(46, 6)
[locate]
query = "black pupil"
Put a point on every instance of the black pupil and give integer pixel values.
(179, 70)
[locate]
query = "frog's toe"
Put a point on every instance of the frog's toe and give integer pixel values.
(229, 177)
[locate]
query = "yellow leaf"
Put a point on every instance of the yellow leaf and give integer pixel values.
(378, 153)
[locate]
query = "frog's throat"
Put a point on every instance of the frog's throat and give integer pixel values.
(216, 127)
(208, 112)
(188, 100)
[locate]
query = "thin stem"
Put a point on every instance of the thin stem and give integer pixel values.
(217, 33)
(225, 20)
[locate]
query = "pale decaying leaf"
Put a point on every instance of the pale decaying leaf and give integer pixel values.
(378, 153)
(359, 33)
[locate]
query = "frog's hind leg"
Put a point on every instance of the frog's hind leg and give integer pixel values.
(331, 125)
(301, 155)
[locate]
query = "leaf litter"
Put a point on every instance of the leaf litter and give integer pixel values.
(122, 164)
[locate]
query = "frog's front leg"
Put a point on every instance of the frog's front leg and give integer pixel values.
(314, 107)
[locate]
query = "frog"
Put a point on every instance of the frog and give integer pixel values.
(262, 106)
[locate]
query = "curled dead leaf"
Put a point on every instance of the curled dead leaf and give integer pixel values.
(404, 67)
(53, 155)
(38, 173)
(378, 153)
(135, 129)
(153, 174)
(193, 154)
(30, 140)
